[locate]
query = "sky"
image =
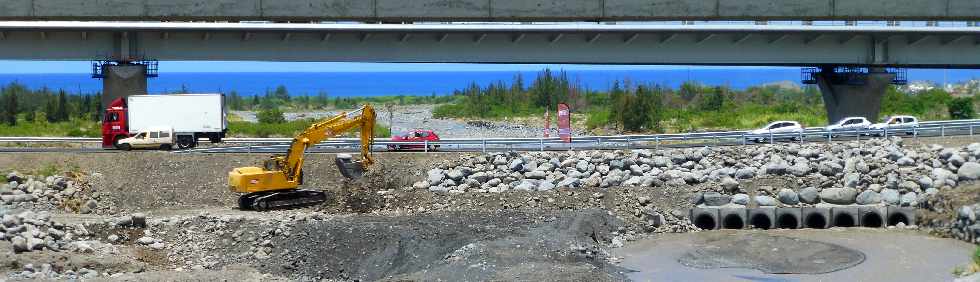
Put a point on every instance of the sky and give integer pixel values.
(18, 67)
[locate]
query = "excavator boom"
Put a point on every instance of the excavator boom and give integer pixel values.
(275, 184)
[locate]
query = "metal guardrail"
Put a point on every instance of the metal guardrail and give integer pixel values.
(814, 134)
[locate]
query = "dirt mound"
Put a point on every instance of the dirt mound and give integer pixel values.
(450, 246)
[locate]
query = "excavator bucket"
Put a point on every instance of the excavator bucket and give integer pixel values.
(349, 167)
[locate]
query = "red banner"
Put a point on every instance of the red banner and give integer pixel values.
(564, 123)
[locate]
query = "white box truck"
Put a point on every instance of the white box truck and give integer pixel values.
(190, 116)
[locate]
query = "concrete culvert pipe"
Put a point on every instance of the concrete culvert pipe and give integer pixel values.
(732, 221)
(733, 218)
(818, 218)
(844, 220)
(760, 221)
(872, 216)
(872, 220)
(817, 221)
(762, 218)
(705, 222)
(706, 219)
(845, 216)
(788, 218)
(899, 214)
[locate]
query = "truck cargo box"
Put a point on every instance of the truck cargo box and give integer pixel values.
(185, 113)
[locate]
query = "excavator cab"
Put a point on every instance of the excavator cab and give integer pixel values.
(349, 167)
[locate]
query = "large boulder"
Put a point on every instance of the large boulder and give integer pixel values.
(729, 184)
(788, 196)
(908, 186)
(890, 196)
(570, 183)
(809, 195)
(765, 201)
(516, 165)
(830, 168)
(435, 176)
(716, 199)
(745, 173)
(969, 171)
(868, 197)
(741, 199)
(839, 196)
(799, 169)
(909, 199)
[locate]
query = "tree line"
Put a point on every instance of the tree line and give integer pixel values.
(640, 107)
(21, 104)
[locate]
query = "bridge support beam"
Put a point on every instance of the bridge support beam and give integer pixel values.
(122, 80)
(853, 94)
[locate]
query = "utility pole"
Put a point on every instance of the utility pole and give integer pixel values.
(391, 118)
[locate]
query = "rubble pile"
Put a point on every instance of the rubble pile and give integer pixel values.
(47, 193)
(879, 171)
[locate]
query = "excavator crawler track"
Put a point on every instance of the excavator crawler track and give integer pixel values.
(262, 201)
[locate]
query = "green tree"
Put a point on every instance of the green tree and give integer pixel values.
(10, 108)
(961, 108)
(50, 107)
(96, 112)
(234, 101)
(61, 113)
(281, 93)
(713, 100)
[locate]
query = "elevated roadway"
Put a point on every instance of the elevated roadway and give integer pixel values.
(579, 43)
(486, 10)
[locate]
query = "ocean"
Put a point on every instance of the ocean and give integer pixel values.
(349, 84)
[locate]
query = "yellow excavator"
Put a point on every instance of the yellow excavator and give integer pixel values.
(275, 185)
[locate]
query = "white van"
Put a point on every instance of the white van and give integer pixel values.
(152, 138)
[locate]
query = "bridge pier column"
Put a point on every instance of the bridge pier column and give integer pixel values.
(121, 80)
(853, 94)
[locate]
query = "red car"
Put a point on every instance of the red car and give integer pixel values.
(418, 135)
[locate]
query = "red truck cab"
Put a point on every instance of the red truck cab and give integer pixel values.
(114, 125)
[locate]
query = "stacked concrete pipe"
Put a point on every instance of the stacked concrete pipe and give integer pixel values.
(805, 217)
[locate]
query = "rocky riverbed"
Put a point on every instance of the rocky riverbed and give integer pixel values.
(449, 216)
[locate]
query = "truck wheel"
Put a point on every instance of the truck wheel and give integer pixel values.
(214, 139)
(165, 147)
(183, 142)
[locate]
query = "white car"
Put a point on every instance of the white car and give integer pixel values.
(781, 128)
(905, 124)
(153, 138)
(849, 124)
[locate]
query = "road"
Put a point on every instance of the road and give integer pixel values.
(533, 144)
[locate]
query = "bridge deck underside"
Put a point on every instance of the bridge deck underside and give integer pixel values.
(696, 48)
(486, 10)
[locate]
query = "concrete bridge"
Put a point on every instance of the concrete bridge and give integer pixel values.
(487, 10)
(873, 48)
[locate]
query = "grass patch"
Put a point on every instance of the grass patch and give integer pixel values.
(73, 128)
(972, 268)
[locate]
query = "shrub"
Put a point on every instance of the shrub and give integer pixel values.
(271, 115)
(960, 108)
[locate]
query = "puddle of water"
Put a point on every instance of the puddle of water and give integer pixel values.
(889, 255)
